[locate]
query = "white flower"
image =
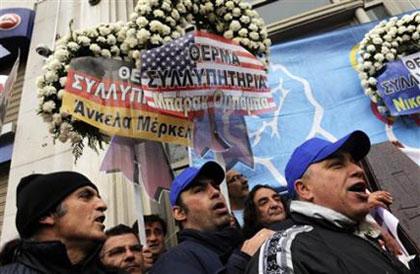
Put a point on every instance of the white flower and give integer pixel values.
(253, 27)
(244, 5)
(390, 57)
(143, 35)
(236, 12)
(207, 7)
(61, 55)
(166, 6)
(85, 41)
(115, 50)
(228, 16)
(56, 119)
(406, 37)
(104, 31)
(254, 35)
(401, 29)
(245, 41)
(181, 8)
(60, 93)
(135, 54)
(228, 34)
(105, 53)
(170, 21)
(230, 5)
(55, 64)
(51, 76)
(363, 75)
(377, 41)
(142, 21)
(243, 32)
(95, 48)
(73, 46)
(63, 81)
(371, 48)
(158, 13)
(165, 30)
(415, 36)
(379, 57)
(372, 81)
(101, 39)
(156, 39)
(267, 42)
(219, 3)
(131, 41)
(155, 26)
(175, 14)
(235, 25)
(40, 82)
(251, 13)
(175, 34)
(48, 106)
(111, 39)
(245, 19)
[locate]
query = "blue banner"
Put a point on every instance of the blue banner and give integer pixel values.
(399, 84)
(317, 93)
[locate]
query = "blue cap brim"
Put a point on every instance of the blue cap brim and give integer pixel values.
(210, 169)
(356, 143)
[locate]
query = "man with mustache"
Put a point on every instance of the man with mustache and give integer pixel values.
(208, 244)
(238, 192)
(122, 250)
(60, 221)
(329, 233)
(263, 208)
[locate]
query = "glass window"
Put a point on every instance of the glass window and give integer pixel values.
(281, 9)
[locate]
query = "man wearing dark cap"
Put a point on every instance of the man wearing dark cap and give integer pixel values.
(328, 231)
(60, 220)
(207, 242)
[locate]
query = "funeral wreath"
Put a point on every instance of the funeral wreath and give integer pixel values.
(154, 23)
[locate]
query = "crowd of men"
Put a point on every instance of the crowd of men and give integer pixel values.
(322, 226)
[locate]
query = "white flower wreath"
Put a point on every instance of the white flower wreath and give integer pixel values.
(153, 23)
(388, 41)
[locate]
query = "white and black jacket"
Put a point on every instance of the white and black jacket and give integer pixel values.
(319, 240)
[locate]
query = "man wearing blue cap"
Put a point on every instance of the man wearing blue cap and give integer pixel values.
(327, 232)
(207, 242)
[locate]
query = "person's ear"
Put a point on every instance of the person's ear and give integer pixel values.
(179, 213)
(303, 190)
(47, 220)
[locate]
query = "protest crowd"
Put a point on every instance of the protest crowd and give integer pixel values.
(60, 220)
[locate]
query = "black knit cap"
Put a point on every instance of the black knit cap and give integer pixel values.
(38, 195)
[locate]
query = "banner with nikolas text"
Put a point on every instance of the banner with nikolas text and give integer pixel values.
(399, 85)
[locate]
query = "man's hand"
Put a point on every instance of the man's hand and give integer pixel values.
(147, 259)
(252, 245)
(379, 198)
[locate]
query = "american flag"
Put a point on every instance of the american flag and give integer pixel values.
(178, 57)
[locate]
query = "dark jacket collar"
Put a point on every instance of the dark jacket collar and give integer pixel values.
(222, 242)
(51, 257)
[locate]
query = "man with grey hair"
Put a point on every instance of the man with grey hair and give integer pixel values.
(60, 221)
(328, 232)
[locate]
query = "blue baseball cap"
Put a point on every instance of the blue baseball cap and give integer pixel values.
(316, 150)
(187, 177)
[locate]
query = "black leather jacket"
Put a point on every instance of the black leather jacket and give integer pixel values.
(50, 257)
